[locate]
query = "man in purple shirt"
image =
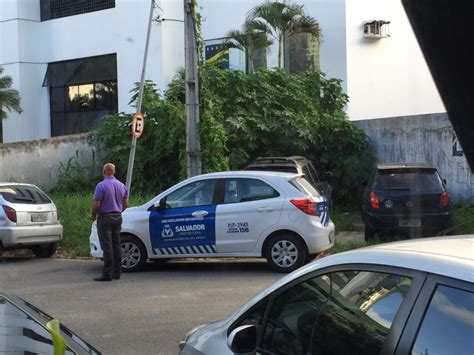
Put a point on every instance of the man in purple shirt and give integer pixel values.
(110, 199)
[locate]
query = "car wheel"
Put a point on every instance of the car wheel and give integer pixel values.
(133, 253)
(286, 253)
(44, 250)
(369, 233)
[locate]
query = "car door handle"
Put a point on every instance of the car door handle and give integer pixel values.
(265, 209)
(200, 214)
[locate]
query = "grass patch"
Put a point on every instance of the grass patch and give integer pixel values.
(463, 220)
(347, 220)
(75, 209)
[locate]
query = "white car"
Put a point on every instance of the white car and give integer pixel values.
(410, 297)
(279, 216)
(29, 219)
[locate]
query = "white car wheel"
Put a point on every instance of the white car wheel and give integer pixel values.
(133, 254)
(286, 253)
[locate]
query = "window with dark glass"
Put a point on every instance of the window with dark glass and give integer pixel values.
(348, 312)
(81, 91)
(245, 190)
(51, 9)
(448, 326)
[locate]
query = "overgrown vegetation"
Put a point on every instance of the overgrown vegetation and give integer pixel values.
(267, 113)
(75, 209)
(79, 174)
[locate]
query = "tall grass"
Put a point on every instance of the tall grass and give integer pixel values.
(75, 210)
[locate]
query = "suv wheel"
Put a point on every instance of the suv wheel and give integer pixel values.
(286, 253)
(133, 254)
(44, 250)
(369, 233)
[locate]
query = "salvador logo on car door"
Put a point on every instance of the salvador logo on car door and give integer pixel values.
(189, 230)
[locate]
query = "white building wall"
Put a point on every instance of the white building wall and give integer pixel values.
(27, 45)
(386, 77)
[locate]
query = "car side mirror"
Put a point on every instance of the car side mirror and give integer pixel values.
(328, 176)
(158, 206)
(243, 339)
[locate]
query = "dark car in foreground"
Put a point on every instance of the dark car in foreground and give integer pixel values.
(409, 199)
(24, 329)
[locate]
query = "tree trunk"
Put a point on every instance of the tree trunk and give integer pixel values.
(280, 44)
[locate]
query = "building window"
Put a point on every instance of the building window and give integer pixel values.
(81, 91)
(51, 9)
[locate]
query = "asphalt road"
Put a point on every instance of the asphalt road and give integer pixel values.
(143, 313)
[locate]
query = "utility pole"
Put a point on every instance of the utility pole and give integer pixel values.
(193, 147)
(133, 148)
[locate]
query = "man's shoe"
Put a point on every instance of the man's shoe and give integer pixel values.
(103, 278)
(116, 277)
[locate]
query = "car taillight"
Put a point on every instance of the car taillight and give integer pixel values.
(10, 212)
(374, 200)
(306, 205)
(443, 199)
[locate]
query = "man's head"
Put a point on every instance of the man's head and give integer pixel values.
(109, 169)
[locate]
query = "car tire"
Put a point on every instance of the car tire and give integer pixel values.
(134, 254)
(44, 250)
(369, 233)
(286, 252)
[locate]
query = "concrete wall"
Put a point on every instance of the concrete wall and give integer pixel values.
(424, 138)
(386, 77)
(37, 162)
(27, 45)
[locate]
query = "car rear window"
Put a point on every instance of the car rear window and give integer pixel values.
(422, 180)
(283, 169)
(23, 194)
(304, 186)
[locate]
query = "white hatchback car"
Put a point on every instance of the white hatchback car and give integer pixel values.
(279, 216)
(28, 219)
(410, 297)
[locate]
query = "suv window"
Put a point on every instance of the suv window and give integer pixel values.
(304, 186)
(197, 193)
(403, 179)
(348, 312)
(23, 194)
(448, 325)
(244, 190)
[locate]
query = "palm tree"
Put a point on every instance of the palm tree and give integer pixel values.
(281, 20)
(249, 40)
(9, 98)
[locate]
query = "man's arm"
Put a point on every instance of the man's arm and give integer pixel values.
(125, 203)
(95, 209)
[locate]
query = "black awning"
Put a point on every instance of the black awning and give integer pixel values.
(81, 71)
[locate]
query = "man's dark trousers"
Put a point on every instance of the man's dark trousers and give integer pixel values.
(109, 226)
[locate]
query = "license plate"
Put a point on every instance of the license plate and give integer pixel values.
(39, 217)
(409, 223)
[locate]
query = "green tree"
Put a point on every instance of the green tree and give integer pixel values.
(281, 20)
(250, 40)
(9, 98)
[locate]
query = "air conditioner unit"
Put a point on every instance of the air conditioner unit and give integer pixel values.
(377, 29)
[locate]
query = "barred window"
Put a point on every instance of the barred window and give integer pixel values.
(51, 9)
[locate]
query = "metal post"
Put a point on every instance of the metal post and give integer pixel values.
(133, 148)
(193, 148)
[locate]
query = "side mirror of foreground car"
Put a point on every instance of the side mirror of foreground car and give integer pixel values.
(243, 339)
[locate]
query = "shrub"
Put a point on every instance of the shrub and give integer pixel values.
(267, 113)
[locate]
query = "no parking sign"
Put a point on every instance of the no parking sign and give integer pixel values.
(138, 124)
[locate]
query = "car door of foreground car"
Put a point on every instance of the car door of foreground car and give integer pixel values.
(352, 309)
(249, 207)
(185, 222)
(442, 320)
